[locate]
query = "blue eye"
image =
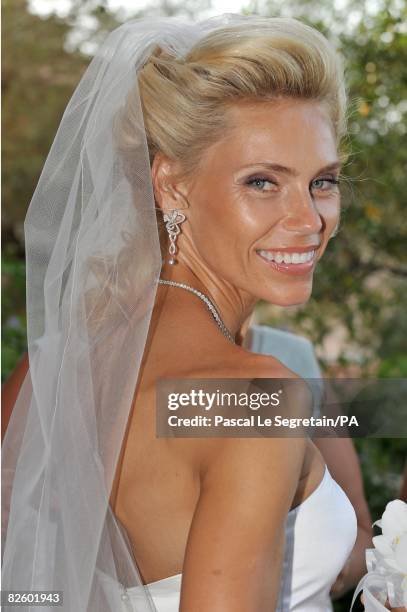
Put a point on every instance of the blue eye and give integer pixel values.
(258, 182)
(332, 181)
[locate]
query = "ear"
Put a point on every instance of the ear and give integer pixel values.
(167, 191)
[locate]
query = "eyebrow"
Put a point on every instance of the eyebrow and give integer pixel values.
(290, 171)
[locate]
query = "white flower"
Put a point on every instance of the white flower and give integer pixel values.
(392, 544)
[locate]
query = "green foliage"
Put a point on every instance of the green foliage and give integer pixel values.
(14, 337)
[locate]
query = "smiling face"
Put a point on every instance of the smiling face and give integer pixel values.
(265, 202)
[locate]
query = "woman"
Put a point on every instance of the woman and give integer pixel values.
(232, 129)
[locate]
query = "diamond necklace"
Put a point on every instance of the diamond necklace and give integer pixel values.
(207, 302)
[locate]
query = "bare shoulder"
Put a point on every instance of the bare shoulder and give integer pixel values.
(260, 372)
(252, 373)
(234, 361)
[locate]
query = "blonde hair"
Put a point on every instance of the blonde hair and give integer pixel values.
(262, 59)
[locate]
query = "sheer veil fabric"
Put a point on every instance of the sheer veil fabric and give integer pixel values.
(93, 260)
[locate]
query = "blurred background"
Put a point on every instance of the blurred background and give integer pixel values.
(357, 316)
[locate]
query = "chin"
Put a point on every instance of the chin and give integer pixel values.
(289, 298)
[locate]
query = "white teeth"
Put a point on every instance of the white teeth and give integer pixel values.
(287, 258)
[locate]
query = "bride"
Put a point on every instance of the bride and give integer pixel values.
(215, 146)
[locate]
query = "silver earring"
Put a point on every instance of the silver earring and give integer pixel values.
(172, 221)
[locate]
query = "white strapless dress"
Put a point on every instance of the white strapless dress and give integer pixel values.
(320, 534)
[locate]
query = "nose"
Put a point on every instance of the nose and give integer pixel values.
(303, 215)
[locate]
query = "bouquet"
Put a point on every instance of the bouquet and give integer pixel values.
(386, 578)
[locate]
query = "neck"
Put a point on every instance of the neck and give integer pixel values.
(234, 306)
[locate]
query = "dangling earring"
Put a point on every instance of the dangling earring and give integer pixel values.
(172, 221)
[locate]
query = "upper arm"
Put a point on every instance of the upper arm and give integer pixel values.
(343, 463)
(235, 545)
(10, 390)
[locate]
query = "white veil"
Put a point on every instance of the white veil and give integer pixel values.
(93, 259)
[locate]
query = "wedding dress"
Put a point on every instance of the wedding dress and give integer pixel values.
(320, 532)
